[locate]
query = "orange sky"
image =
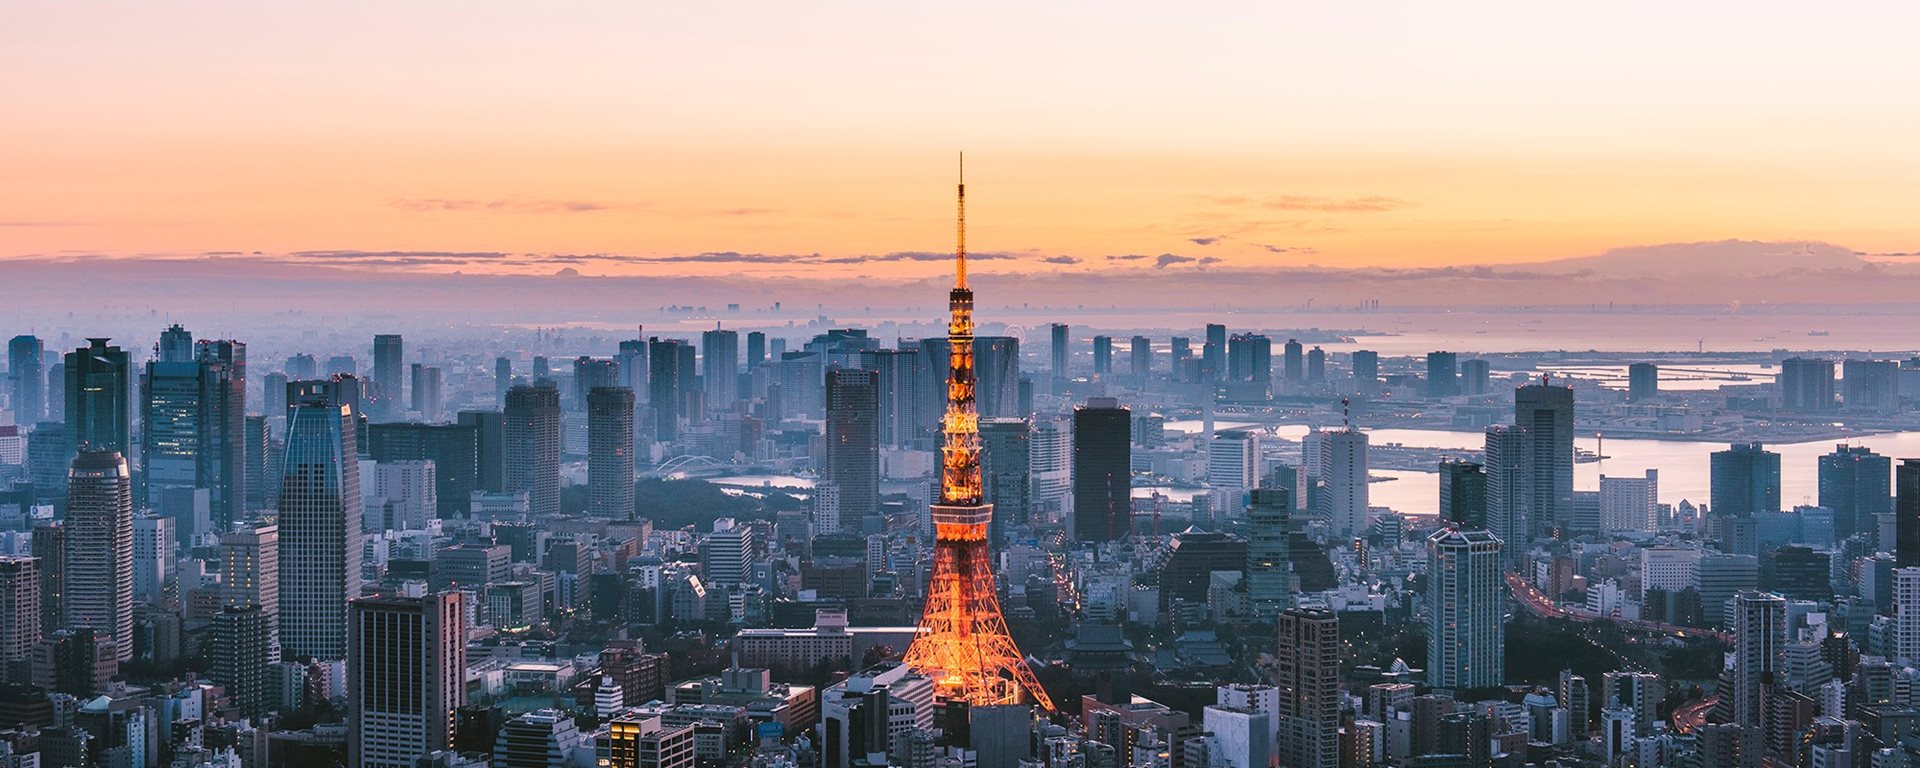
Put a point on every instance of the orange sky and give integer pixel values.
(1253, 134)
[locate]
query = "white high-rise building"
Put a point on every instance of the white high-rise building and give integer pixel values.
(406, 677)
(152, 557)
(99, 547)
(1509, 465)
(1050, 462)
(1906, 615)
(1466, 633)
(1264, 699)
(1233, 461)
(320, 536)
(1630, 503)
(250, 574)
(1338, 459)
(1670, 568)
(1243, 735)
(406, 492)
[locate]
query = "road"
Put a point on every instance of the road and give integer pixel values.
(1691, 715)
(1540, 605)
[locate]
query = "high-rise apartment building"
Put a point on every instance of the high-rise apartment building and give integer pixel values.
(1338, 467)
(1249, 367)
(99, 543)
(1630, 503)
(1140, 357)
(720, 367)
(1316, 364)
(532, 430)
(1050, 468)
(1102, 355)
(1366, 371)
(250, 574)
(664, 391)
(406, 677)
(996, 372)
(389, 377)
(153, 545)
(903, 419)
(319, 528)
(1060, 354)
(1102, 476)
(1466, 636)
(1307, 674)
(1545, 411)
(1870, 386)
(1759, 640)
(853, 449)
(19, 614)
(241, 654)
(1293, 360)
(1213, 353)
(1233, 461)
(610, 457)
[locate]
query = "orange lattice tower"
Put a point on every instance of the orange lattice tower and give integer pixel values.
(963, 643)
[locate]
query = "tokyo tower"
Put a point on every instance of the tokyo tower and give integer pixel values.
(963, 645)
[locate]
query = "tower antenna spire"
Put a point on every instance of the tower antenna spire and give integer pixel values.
(960, 233)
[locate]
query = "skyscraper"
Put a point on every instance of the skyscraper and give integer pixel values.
(532, 430)
(996, 362)
(1870, 386)
(1233, 461)
(1510, 484)
(1857, 484)
(853, 448)
(1545, 411)
(610, 453)
(756, 349)
(241, 655)
(406, 677)
(1475, 377)
(903, 421)
(1366, 371)
(389, 372)
(1443, 374)
(153, 545)
(1466, 638)
(97, 397)
(1463, 494)
(502, 380)
(1293, 360)
(1806, 384)
(1316, 364)
(1906, 510)
(1050, 462)
(50, 548)
(99, 542)
(1213, 353)
(1745, 481)
(720, 367)
(1630, 503)
(1140, 353)
(1102, 477)
(1269, 565)
(319, 529)
(1307, 674)
(663, 382)
(1906, 615)
(454, 450)
(1643, 382)
(1249, 367)
(1339, 466)
(27, 379)
(1759, 639)
(250, 574)
(1005, 460)
(1102, 355)
(19, 614)
(193, 426)
(1061, 353)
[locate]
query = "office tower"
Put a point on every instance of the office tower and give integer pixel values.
(389, 367)
(1051, 468)
(632, 367)
(339, 389)
(502, 380)
(1745, 481)
(1140, 353)
(590, 372)
(610, 453)
(429, 397)
(1102, 355)
(454, 450)
(153, 539)
(406, 677)
(1213, 353)
(1366, 371)
(1466, 637)
(241, 654)
(663, 382)
(996, 365)
(404, 495)
(193, 426)
(1006, 447)
(1545, 411)
(963, 647)
(1316, 364)
(1102, 477)
(1463, 494)
(720, 367)
(1643, 382)
(1339, 465)
(19, 614)
(1307, 674)
(319, 529)
(531, 426)
(1061, 353)
(852, 462)
(756, 349)
(250, 573)
(1249, 367)
(543, 738)
(98, 410)
(1630, 503)
(99, 544)
(1857, 484)
(27, 379)
(1233, 461)
(727, 553)
(1476, 377)
(1269, 565)
(273, 399)
(897, 382)
(1293, 360)
(1806, 384)
(1759, 639)
(1181, 349)
(49, 546)
(1906, 511)
(1870, 386)
(1443, 374)
(490, 448)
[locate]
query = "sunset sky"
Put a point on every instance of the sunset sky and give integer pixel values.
(686, 138)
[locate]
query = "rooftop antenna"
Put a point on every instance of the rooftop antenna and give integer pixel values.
(960, 235)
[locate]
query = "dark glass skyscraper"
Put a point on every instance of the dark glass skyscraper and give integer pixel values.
(1103, 354)
(1806, 384)
(1643, 382)
(663, 382)
(98, 392)
(193, 425)
(903, 421)
(1213, 352)
(1293, 360)
(454, 450)
(1443, 374)
(610, 453)
(389, 372)
(1102, 471)
(1745, 480)
(1857, 484)
(1060, 353)
(320, 539)
(1463, 494)
(531, 425)
(1906, 508)
(1249, 367)
(720, 367)
(1140, 355)
(853, 442)
(996, 364)
(1366, 370)
(27, 379)
(1006, 450)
